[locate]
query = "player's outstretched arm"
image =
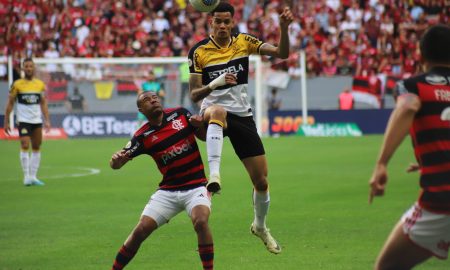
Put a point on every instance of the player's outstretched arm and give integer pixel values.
(398, 126)
(282, 51)
(119, 159)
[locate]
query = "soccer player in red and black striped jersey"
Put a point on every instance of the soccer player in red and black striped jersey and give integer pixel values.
(169, 137)
(424, 230)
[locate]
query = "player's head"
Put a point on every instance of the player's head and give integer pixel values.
(149, 104)
(435, 44)
(222, 20)
(28, 68)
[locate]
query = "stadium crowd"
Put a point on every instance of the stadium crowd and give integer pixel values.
(339, 36)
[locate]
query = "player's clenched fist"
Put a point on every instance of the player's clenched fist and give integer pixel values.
(286, 17)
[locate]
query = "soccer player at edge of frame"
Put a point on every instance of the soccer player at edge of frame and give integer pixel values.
(169, 137)
(424, 229)
(29, 95)
(218, 67)
(204, 5)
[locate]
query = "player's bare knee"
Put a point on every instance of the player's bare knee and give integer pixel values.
(200, 224)
(216, 113)
(261, 185)
(24, 145)
(142, 231)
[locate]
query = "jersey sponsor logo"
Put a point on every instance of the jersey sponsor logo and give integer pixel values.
(232, 69)
(442, 94)
(177, 124)
(172, 116)
(436, 80)
(174, 151)
(29, 98)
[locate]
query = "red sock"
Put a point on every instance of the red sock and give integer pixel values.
(207, 256)
(123, 257)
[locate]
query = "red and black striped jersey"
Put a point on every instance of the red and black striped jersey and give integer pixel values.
(173, 147)
(430, 135)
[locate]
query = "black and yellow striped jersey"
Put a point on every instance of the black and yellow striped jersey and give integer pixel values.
(210, 60)
(28, 95)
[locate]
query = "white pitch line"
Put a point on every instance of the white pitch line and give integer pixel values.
(85, 172)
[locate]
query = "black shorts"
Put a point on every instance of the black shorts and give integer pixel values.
(244, 136)
(26, 129)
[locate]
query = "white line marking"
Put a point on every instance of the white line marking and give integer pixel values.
(85, 171)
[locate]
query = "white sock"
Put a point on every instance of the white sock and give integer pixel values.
(34, 166)
(25, 162)
(261, 202)
(214, 142)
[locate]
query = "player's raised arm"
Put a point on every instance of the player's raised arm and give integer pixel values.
(282, 51)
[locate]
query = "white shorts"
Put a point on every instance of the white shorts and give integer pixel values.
(428, 230)
(164, 205)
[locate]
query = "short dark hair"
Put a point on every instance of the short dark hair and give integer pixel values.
(224, 7)
(435, 44)
(28, 59)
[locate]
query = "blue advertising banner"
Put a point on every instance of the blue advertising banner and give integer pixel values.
(96, 125)
(369, 121)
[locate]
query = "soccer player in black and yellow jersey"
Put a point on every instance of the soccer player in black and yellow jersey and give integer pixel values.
(219, 67)
(424, 230)
(28, 93)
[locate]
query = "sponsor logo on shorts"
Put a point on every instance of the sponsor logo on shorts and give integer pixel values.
(444, 245)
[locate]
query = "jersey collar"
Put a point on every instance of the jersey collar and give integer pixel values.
(217, 45)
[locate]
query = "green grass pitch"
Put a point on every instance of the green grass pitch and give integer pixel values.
(319, 210)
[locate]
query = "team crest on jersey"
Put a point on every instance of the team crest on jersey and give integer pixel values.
(436, 80)
(154, 138)
(177, 124)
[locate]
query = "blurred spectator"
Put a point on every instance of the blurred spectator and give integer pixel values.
(346, 101)
(166, 28)
(76, 103)
(274, 101)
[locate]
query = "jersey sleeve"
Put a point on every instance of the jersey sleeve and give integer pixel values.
(403, 87)
(188, 115)
(194, 61)
(135, 146)
(13, 90)
(253, 43)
